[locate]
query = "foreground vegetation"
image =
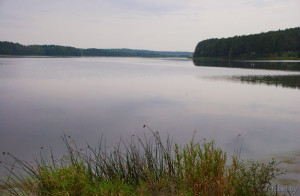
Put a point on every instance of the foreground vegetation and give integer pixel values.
(140, 167)
(282, 44)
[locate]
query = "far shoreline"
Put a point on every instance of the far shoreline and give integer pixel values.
(283, 59)
(241, 59)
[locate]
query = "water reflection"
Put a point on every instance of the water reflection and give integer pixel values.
(40, 99)
(285, 81)
(270, 65)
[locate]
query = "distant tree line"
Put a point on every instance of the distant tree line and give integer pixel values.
(9, 48)
(264, 45)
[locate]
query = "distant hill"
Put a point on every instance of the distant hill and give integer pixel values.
(10, 48)
(273, 44)
(134, 53)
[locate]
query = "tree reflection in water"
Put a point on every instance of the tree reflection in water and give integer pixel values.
(291, 65)
(286, 81)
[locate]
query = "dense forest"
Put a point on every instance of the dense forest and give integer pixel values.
(9, 48)
(273, 44)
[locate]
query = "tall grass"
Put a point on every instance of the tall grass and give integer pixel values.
(140, 166)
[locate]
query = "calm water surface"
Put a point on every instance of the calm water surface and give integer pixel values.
(42, 98)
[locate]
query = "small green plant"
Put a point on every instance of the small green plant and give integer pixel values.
(253, 177)
(201, 168)
(140, 167)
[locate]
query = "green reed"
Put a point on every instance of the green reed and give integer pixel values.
(139, 166)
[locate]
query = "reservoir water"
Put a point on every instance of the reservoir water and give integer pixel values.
(43, 98)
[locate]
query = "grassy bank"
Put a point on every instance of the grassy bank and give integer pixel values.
(140, 166)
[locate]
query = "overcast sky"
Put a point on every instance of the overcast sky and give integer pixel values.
(174, 25)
